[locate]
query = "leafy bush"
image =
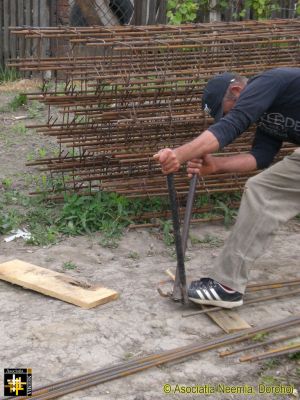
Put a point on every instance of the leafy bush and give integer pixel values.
(182, 11)
(185, 11)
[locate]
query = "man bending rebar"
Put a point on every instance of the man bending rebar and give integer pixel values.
(272, 100)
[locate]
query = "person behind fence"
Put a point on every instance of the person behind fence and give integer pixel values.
(272, 101)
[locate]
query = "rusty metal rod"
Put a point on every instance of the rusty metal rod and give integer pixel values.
(289, 349)
(256, 345)
(124, 369)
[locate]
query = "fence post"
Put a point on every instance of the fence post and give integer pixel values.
(214, 15)
(140, 12)
(1, 34)
(5, 30)
(152, 12)
(162, 12)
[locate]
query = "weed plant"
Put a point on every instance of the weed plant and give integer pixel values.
(108, 213)
(18, 101)
(8, 75)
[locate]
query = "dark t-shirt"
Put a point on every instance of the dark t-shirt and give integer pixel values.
(272, 100)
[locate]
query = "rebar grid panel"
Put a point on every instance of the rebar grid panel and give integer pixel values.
(125, 92)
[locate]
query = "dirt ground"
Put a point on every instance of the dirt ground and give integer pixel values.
(59, 340)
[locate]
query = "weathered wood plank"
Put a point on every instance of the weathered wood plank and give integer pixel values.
(152, 12)
(20, 22)
(140, 12)
(35, 44)
(162, 12)
(1, 34)
(36, 12)
(6, 23)
(13, 22)
(28, 22)
(44, 13)
(54, 284)
(45, 21)
(228, 320)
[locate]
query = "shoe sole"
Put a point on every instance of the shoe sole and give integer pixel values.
(223, 304)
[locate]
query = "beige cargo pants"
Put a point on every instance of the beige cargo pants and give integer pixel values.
(270, 199)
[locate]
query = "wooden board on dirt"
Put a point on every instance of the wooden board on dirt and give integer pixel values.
(228, 320)
(55, 284)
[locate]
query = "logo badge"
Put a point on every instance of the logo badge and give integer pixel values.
(207, 110)
(17, 382)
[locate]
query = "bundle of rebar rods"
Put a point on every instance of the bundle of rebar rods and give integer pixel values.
(124, 92)
(82, 382)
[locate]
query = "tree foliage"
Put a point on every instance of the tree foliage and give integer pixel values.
(184, 11)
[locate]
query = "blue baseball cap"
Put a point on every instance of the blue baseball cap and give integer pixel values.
(214, 93)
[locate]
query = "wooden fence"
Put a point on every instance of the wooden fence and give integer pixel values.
(20, 13)
(64, 12)
(148, 12)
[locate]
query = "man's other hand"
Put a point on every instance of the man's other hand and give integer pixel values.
(202, 166)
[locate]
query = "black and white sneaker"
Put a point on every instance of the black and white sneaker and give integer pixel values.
(209, 292)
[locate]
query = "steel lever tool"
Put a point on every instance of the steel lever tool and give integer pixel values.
(179, 288)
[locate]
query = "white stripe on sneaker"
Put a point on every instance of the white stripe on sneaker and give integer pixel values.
(207, 294)
(200, 294)
(217, 297)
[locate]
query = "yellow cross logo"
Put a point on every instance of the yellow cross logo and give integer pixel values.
(15, 385)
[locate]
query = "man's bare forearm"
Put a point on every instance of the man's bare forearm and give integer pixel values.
(205, 143)
(238, 163)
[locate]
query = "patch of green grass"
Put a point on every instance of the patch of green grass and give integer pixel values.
(30, 156)
(18, 101)
(208, 240)
(295, 356)
(269, 380)
(167, 230)
(228, 213)
(8, 74)
(9, 220)
(134, 255)
(34, 109)
(128, 356)
(46, 86)
(20, 128)
(7, 183)
(260, 337)
(108, 213)
(22, 211)
(224, 204)
(272, 363)
(42, 236)
(69, 265)
(42, 152)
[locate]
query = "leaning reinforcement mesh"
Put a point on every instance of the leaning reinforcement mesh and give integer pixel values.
(125, 92)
